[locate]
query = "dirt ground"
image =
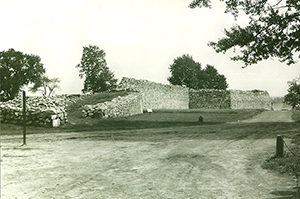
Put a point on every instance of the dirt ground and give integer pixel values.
(82, 165)
(272, 116)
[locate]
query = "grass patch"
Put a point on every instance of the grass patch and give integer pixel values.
(289, 164)
(159, 119)
(209, 115)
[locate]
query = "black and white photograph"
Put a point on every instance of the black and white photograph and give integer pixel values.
(140, 99)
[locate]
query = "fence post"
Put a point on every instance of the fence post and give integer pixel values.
(279, 146)
(24, 118)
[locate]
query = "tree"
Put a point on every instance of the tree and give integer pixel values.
(94, 68)
(186, 72)
(183, 71)
(17, 70)
(46, 85)
(273, 30)
(213, 80)
(293, 96)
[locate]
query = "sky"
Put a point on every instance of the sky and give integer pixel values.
(141, 39)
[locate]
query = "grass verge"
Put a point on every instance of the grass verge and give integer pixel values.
(296, 115)
(289, 163)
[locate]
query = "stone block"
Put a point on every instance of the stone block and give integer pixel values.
(55, 123)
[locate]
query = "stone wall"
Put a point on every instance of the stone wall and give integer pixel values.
(209, 99)
(40, 110)
(250, 99)
(229, 99)
(118, 107)
(156, 95)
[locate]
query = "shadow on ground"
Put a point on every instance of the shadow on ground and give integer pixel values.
(286, 194)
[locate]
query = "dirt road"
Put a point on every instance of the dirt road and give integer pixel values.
(272, 116)
(81, 166)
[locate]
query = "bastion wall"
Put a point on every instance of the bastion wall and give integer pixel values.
(119, 107)
(209, 99)
(157, 95)
(229, 99)
(250, 99)
(161, 96)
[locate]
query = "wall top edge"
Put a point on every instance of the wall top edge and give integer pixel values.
(139, 81)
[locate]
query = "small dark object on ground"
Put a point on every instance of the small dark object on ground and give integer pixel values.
(98, 115)
(200, 120)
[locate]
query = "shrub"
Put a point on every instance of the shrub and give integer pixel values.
(296, 115)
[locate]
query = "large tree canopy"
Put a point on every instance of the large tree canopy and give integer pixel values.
(273, 30)
(186, 72)
(94, 68)
(17, 70)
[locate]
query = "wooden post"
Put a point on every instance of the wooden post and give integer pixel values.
(279, 147)
(24, 118)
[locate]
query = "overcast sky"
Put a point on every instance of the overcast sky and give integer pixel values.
(141, 39)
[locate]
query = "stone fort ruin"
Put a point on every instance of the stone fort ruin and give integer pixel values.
(144, 95)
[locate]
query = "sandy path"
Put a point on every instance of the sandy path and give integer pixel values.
(85, 168)
(272, 116)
